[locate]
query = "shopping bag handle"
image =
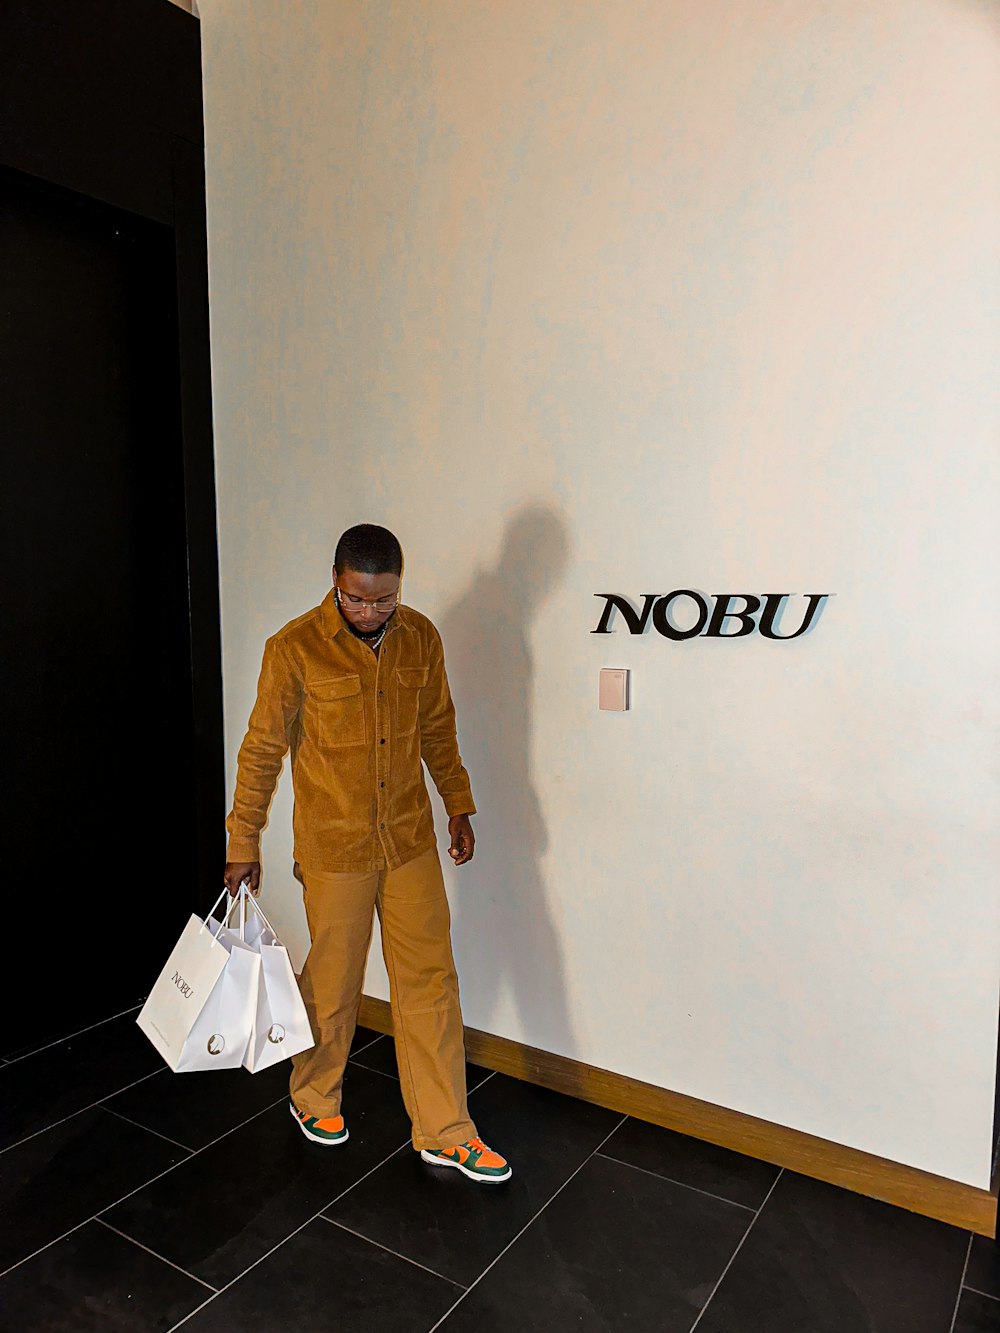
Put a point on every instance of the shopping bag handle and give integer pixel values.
(242, 896)
(263, 916)
(214, 909)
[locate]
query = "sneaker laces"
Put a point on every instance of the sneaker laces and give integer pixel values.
(477, 1145)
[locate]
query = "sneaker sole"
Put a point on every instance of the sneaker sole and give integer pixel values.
(472, 1175)
(323, 1143)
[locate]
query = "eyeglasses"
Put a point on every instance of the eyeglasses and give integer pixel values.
(381, 604)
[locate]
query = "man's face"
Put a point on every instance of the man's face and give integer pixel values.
(357, 592)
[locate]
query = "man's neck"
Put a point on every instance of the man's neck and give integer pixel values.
(374, 637)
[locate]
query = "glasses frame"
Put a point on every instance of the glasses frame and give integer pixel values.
(359, 603)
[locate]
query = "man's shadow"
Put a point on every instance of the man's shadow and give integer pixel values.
(503, 934)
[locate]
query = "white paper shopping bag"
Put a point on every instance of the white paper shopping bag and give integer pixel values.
(281, 1024)
(200, 1012)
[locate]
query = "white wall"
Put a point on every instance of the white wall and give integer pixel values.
(602, 296)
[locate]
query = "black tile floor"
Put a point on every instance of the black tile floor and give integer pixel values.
(155, 1201)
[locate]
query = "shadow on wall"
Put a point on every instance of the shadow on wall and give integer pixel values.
(503, 933)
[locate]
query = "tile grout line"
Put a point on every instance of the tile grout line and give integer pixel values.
(961, 1284)
(670, 1180)
(212, 1142)
(250, 1267)
(14, 1059)
(378, 1037)
(80, 1111)
(368, 1070)
(368, 1240)
(448, 1313)
(732, 1257)
(115, 1202)
(987, 1295)
(48, 1245)
(128, 1121)
(132, 1241)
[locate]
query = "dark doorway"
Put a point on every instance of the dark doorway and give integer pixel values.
(96, 682)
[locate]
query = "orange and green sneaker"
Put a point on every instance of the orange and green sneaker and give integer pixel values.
(473, 1159)
(328, 1132)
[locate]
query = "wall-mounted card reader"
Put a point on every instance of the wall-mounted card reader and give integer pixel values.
(614, 690)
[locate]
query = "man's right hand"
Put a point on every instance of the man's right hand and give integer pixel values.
(242, 872)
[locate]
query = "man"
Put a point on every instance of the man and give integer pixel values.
(356, 688)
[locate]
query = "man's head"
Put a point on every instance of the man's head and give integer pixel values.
(367, 567)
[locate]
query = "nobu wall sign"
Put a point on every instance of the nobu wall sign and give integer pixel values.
(727, 615)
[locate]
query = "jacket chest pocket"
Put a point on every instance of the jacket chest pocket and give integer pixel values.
(338, 712)
(409, 682)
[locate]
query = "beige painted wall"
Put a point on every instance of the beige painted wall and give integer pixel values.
(599, 296)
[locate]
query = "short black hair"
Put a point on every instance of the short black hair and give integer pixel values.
(368, 549)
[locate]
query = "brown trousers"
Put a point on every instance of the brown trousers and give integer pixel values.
(423, 987)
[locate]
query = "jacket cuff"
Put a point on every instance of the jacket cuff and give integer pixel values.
(241, 851)
(459, 805)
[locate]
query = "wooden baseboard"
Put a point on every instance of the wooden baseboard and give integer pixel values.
(918, 1191)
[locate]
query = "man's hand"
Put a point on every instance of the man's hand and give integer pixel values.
(463, 840)
(242, 872)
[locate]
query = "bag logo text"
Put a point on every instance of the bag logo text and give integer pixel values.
(182, 985)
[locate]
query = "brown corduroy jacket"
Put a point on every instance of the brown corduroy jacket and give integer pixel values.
(357, 726)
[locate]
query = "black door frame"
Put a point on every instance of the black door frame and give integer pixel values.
(103, 102)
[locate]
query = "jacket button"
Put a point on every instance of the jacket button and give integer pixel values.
(382, 741)
(381, 826)
(381, 694)
(381, 784)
